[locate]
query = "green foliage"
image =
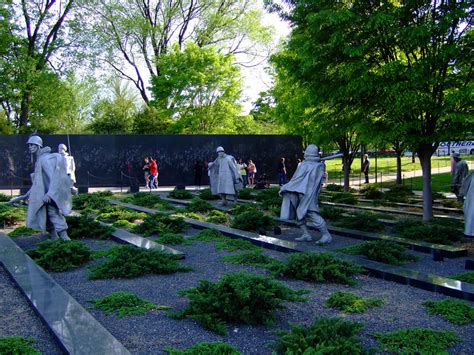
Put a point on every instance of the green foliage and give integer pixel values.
(125, 304)
(4, 198)
(17, 345)
(205, 349)
(216, 216)
(23, 231)
(252, 221)
(84, 227)
(160, 223)
(381, 250)
(236, 297)
(323, 336)
(10, 215)
(126, 261)
(363, 221)
(171, 238)
(223, 242)
(269, 197)
(246, 194)
(148, 200)
(180, 194)
(199, 205)
(123, 224)
(317, 268)
(335, 188)
(206, 194)
(252, 257)
(372, 193)
(59, 255)
(417, 341)
(95, 201)
(331, 213)
(432, 232)
(348, 302)
(122, 214)
(208, 235)
(246, 207)
(344, 197)
(465, 277)
(455, 311)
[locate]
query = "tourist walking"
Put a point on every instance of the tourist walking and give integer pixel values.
(146, 172)
(252, 171)
(243, 170)
(153, 174)
(365, 168)
(281, 169)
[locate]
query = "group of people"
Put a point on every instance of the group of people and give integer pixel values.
(150, 170)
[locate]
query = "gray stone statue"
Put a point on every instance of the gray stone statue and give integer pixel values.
(49, 198)
(460, 171)
(70, 166)
(300, 195)
(225, 176)
(467, 191)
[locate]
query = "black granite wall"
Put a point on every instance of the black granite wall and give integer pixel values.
(104, 160)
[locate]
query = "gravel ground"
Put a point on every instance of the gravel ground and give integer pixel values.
(151, 333)
(17, 318)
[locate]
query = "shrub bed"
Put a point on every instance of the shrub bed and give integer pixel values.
(344, 197)
(59, 255)
(84, 227)
(121, 214)
(18, 346)
(171, 238)
(206, 194)
(454, 311)
(160, 223)
(205, 349)
(92, 202)
(252, 257)
(246, 194)
(149, 200)
(180, 194)
(23, 231)
(363, 221)
(432, 232)
(348, 302)
(199, 205)
(252, 221)
(465, 277)
(381, 250)
(10, 215)
(216, 216)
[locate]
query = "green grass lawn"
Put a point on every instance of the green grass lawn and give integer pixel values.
(439, 183)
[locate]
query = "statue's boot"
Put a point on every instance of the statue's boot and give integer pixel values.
(53, 234)
(224, 201)
(63, 235)
(305, 237)
(326, 238)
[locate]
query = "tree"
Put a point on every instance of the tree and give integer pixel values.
(198, 89)
(408, 63)
(132, 35)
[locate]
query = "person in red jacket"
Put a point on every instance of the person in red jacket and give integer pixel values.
(153, 174)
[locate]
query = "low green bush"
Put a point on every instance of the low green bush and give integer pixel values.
(127, 261)
(192, 215)
(382, 250)
(454, 311)
(59, 255)
(399, 193)
(451, 204)
(17, 346)
(216, 216)
(125, 304)
(123, 224)
(323, 336)
(416, 341)
(23, 231)
(149, 200)
(171, 238)
(465, 277)
(223, 242)
(348, 302)
(431, 232)
(206, 194)
(252, 221)
(237, 297)
(246, 207)
(269, 198)
(252, 257)
(334, 187)
(331, 213)
(205, 349)
(160, 223)
(199, 205)
(95, 201)
(84, 227)
(317, 268)
(362, 221)
(10, 215)
(122, 214)
(180, 194)
(372, 193)
(345, 197)
(246, 194)
(208, 235)
(4, 198)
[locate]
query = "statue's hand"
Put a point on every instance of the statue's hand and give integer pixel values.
(46, 199)
(16, 201)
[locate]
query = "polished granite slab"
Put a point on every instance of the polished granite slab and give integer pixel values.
(434, 283)
(74, 328)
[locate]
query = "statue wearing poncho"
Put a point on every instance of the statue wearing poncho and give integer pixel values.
(224, 176)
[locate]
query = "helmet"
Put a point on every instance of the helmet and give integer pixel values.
(62, 147)
(311, 151)
(219, 149)
(35, 140)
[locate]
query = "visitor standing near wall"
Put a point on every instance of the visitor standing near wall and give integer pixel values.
(153, 174)
(281, 169)
(252, 171)
(459, 173)
(243, 170)
(146, 172)
(366, 167)
(197, 173)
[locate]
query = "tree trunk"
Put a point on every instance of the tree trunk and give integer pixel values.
(347, 171)
(399, 168)
(424, 155)
(25, 110)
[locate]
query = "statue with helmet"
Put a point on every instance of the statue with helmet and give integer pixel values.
(49, 198)
(300, 195)
(225, 176)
